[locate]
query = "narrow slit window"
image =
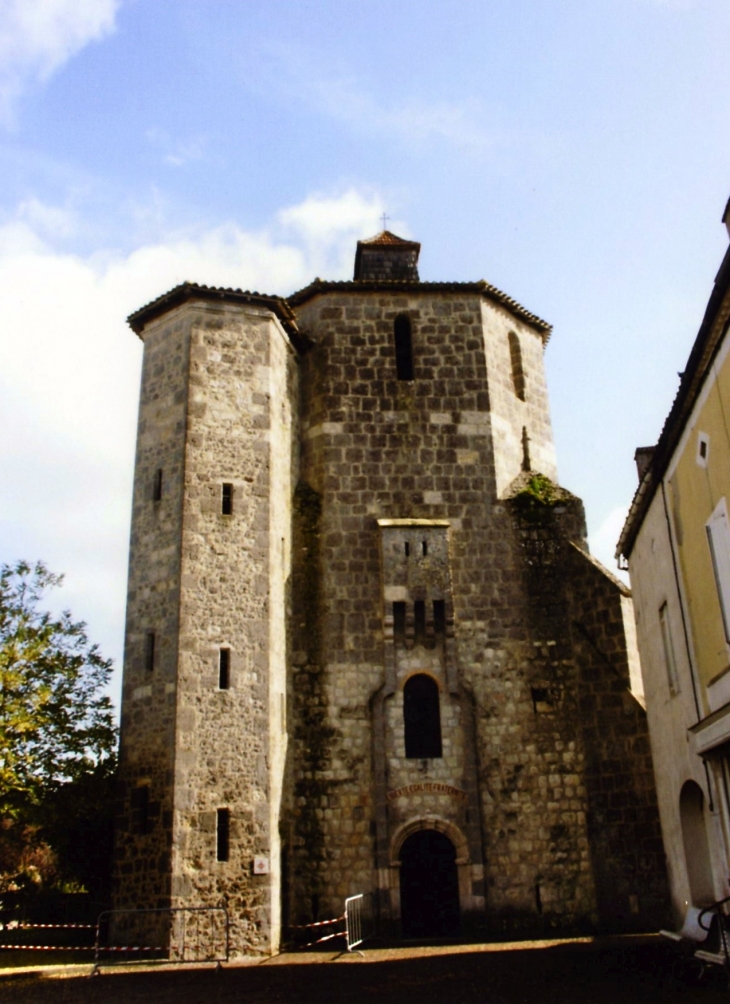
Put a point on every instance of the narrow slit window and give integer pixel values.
(222, 834)
(419, 618)
(422, 717)
(407, 548)
(518, 373)
(224, 669)
(157, 487)
(399, 621)
(227, 499)
(439, 616)
(403, 348)
(149, 651)
(424, 548)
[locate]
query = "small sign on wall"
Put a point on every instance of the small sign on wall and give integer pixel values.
(261, 866)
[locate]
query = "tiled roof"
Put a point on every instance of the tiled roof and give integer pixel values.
(282, 306)
(192, 291)
(320, 286)
(708, 341)
(390, 239)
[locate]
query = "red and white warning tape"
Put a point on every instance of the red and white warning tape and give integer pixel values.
(132, 948)
(327, 937)
(317, 923)
(29, 927)
(50, 948)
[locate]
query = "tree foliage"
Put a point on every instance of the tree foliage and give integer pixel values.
(56, 724)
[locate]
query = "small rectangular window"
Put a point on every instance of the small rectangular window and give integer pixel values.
(227, 499)
(703, 449)
(424, 547)
(222, 832)
(399, 621)
(407, 548)
(669, 659)
(224, 669)
(157, 488)
(149, 654)
(439, 617)
(419, 618)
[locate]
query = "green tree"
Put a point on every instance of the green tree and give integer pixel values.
(57, 737)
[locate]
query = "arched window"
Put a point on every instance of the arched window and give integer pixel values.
(403, 347)
(422, 717)
(518, 373)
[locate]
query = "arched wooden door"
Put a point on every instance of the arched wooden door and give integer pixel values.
(429, 886)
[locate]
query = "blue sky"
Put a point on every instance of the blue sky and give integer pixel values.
(575, 153)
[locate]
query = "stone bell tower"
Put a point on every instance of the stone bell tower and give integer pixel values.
(367, 651)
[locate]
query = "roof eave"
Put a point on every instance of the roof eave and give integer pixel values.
(188, 291)
(705, 347)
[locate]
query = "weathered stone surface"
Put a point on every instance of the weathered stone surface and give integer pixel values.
(381, 528)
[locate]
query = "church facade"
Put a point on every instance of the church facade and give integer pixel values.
(367, 650)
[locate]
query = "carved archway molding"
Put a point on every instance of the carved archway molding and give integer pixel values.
(449, 830)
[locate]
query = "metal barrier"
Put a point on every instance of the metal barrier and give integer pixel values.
(358, 925)
(177, 934)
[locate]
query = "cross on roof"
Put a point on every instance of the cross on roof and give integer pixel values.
(385, 219)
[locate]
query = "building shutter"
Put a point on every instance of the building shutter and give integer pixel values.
(718, 535)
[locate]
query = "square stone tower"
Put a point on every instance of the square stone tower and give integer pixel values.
(367, 650)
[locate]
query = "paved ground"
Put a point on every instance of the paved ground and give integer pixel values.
(618, 971)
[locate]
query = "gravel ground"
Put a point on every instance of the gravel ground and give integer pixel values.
(604, 971)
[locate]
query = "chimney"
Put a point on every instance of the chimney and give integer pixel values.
(643, 457)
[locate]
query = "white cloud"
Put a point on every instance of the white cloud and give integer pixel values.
(177, 152)
(297, 76)
(39, 36)
(70, 375)
(410, 121)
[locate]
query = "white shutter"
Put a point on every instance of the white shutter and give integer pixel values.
(718, 535)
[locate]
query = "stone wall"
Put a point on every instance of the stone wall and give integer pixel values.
(147, 752)
(627, 853)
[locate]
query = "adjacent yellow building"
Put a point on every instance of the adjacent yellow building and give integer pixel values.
(677, 542)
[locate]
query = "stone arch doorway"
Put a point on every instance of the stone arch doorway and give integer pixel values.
(696, 847)
(429, 886)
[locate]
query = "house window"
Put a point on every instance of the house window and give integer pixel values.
(403, 347)
(399, 622)
(439, 617)
(518, 373)
(227, 499)
(703, 449)
(718, 537)
(157, 486)
(669, 658)
(222, 834)
(224, 669)
(422, 717)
